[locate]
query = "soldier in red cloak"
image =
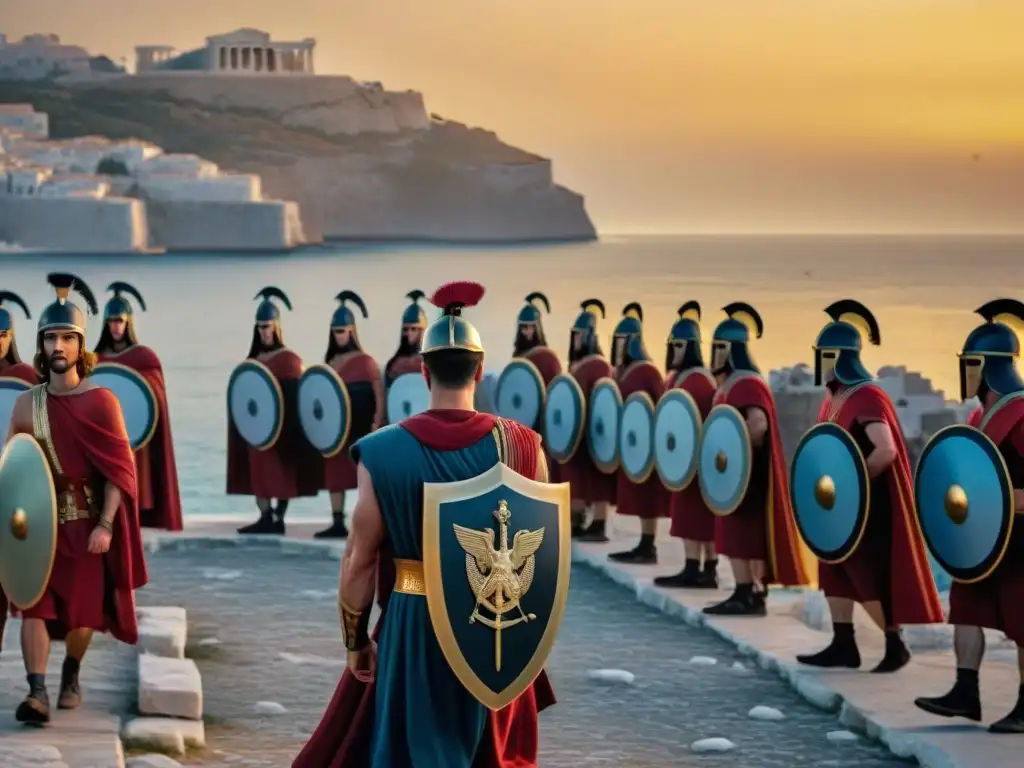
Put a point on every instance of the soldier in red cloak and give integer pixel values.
(590, 487)
(988, 371)
(636, 372)
(290, 469)
(760, 537)
(407, 358)
(98, 561)
(11, 364)
(362, 378)
(692, 521)
(159, 493)
(888, 573)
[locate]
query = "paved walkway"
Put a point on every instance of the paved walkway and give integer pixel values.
(85, 738)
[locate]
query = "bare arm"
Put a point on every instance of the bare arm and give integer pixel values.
(359, 566)
(1018, 501)
(379, 398)
(541, 475)
(757, 426)
(884, 453)
(111, 503)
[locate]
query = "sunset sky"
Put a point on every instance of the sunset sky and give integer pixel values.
(677, 115)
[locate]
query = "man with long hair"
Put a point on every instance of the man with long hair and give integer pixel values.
(11, 364)
(407, 357)
(361, 375)
(399, 698)
(290, 469)
(99, 560)
(157, 470)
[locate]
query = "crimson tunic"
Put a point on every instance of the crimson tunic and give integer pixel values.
(549, 365)
(587, 483)
(691, 518)
(357, 368)
(648, 500)
(23, 371)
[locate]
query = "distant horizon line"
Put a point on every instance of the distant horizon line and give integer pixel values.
(604, 234)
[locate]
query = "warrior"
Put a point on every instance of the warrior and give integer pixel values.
(692, 521)
(289, 469)
(531, 344)
(98, 560)
(157, 471)
(888, 572)
(361, 375)
(11, 364)
(988, 371)
(636, 372)
(590, 487)
(407, 357)
(760, 537)
(399, 700)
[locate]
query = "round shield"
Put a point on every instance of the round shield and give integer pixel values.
(10, 388)
(964, 500)
(256, 404)
(139, 405)
(520, 393)
(603, 425)
(831, 492)
(28, 521)
(565, 416)
(724, 460)
(325, 409)
(677, 424)
(636, 437)
(408, 396)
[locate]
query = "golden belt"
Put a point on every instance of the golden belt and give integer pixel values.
(409, 577)
(75, 503)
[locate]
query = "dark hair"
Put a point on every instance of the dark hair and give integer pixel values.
(106, 342)
(452, 368)
(333, 348)
(84, 365)
(12, 357)
(256, 346)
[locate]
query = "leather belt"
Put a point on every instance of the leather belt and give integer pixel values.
(409, 577)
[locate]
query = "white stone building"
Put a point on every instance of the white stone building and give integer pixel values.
(245, 51)
(38, 57)
(25, 181)
(23, 120)
(223, 188)
(74, 185)
(190, 166)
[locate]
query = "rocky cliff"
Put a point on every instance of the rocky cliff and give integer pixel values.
(362, 162)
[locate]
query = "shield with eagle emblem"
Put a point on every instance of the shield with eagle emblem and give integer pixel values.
(496, 562)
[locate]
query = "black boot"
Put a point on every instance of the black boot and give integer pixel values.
(594, 533)
(689, 577)
(644, 553)
(336, 530)
(35, 709)
(271, 522)
(841, 652)
(964, 700)
(742, 602)
(579, 519)
(70, 691)
(708, 578)
(1013, 722)
(897, 655)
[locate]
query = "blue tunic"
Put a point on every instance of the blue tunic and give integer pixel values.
(424, 717)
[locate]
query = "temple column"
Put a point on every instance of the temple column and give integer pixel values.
(309, 61)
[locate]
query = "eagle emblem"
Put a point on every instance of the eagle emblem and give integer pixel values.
(499, 578)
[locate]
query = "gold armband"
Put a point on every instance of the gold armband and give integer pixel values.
(105, 524)
(355, 627)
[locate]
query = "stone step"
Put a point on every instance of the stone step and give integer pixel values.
(163, 631)
(170, 687)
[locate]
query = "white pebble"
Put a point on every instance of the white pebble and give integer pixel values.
(738, 666)
(703, 661)
(611, 676)
(269, 708)
(319, 594)
(221, 574)
(717, 744)
(307, 659)
(206, 642)
(765, 713)
(841, 737)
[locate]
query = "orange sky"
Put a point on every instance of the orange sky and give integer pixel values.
(678, 115)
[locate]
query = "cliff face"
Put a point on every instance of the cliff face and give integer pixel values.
(362, 162)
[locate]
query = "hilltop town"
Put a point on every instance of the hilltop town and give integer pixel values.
(239, 145)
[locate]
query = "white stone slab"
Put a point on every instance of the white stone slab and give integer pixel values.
(163, 631)
(152, 761)
(170, 735)
(170, 687)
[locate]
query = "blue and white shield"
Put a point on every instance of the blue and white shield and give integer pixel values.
(605, 412)
(496, 561)
(407, 396)
(139, 406)
(677, 427)
(565, 417)
(256, 404)
(636, 437)
(325, 409)
(964, 501)
(724, 460)
(10, 389)
(520, 393)
(831, 492)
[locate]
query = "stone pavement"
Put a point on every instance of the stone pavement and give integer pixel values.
(85, 738)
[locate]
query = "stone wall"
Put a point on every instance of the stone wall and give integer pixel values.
(271, 225)
(76, 224)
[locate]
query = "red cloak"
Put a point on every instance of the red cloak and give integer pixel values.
(340, 470)
(588, 483)
(691, 518)
(648, 500)
(549, 365)
(156, 469)
(342, 739)
(291, 468)
(995, 602)
(403, 364)
(912, 597)
(89, 439)
(763, 524)
(23, 371)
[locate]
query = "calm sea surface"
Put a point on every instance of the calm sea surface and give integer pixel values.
(200, 308)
